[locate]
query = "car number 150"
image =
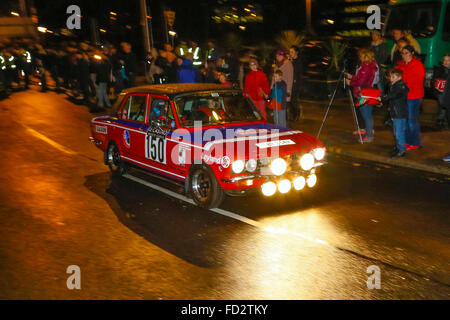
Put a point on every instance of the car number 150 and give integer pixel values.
(155, 148)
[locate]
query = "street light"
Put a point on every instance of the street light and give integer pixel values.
(308, 15)
(42, 29)
(172, 35)
(15, 14)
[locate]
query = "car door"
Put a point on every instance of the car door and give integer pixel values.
(133, 118)
(159, 146)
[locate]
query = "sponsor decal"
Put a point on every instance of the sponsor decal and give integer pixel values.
(250, 132)
(277, 143)
(182, 156)
(101, 129)
(126, 138)
(156, 130)
(225, 162)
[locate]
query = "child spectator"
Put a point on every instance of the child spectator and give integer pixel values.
(279, 96)
(223, 79)
(398, 106)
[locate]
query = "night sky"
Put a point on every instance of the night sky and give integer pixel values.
(193, 18)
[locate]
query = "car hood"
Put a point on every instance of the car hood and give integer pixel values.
(259, 140)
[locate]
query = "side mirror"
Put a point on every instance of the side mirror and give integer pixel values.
(157, 123)
(163, 123)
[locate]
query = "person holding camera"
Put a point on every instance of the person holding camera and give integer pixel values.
(365, 77)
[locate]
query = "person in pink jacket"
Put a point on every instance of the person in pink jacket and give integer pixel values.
(257, 87)
(366, 76)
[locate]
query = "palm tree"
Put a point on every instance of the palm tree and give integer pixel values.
(290, 38)
(336, 49)
(264, 51)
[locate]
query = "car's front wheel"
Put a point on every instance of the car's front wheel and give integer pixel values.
(204, 188)
(114, 161)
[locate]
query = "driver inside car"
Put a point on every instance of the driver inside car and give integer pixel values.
(162, 112)
(213, 111)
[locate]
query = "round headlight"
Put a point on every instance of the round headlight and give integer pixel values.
(251, 165)
(269, 188)
(319, 153)
(312, 180)
(284, 186)
(307, 161)
(299, 183)
(238, 166)
(278, 166)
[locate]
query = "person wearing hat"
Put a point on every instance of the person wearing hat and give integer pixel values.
(285, 66)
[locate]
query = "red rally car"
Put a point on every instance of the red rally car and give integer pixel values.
(208, 138)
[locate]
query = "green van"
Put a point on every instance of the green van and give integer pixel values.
(429, 23)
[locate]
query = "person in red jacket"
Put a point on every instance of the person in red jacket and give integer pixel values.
(366, 76)
(257, 87)
(413, 75)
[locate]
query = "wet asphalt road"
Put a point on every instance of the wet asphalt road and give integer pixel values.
(60, 207)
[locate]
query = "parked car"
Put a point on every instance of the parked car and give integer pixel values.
(208, 138)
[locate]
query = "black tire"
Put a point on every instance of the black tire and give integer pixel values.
(112, 158)
(204, 188)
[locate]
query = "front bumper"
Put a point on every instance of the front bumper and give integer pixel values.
(251, 183)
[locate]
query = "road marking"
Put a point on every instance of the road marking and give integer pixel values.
(228, 213)
(190, 201)
(50, 141)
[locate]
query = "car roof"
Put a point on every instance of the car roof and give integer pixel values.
(173, 89)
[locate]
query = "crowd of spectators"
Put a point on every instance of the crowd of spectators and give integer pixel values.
(95, 74)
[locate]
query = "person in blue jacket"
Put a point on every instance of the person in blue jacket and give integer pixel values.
(278, 95)
(187, 72)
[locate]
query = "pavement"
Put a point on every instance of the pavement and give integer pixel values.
(339, 125)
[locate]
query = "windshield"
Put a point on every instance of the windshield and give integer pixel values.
(420, 18)
(215, 108)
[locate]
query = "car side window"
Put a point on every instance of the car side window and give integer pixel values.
(134, 108)
(161, 110)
